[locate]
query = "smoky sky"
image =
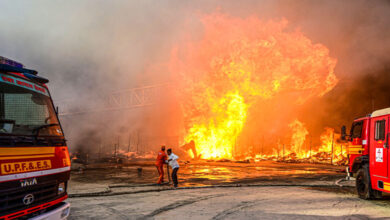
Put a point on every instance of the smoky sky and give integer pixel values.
(91, 48)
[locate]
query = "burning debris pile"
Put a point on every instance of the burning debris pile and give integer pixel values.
(242, 64)
(331, 150)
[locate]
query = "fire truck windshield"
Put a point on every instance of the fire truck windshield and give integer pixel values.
(27, 111)
(356, 130)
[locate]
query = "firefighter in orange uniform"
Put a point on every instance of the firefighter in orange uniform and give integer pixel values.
(161, 158)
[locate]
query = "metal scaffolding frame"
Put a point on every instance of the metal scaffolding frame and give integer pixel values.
(119, 100)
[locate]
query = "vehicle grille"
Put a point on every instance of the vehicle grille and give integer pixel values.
(11, 200)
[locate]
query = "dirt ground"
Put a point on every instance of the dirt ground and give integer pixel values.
(220, 190)
(229, 203)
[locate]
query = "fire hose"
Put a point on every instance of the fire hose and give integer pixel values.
(109, 192)
(169, 176)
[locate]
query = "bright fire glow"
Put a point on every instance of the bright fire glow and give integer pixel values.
(329, 145)
(298, 138)
(237, 62)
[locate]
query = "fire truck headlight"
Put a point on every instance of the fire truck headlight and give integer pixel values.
(61, 188)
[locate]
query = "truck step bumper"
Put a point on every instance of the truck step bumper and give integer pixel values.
(62, 212)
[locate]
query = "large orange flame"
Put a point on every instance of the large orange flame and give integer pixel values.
(337, 151)
(298, 138)
(236, 62)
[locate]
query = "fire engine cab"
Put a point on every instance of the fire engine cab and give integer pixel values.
(369, 153)
(34, 158)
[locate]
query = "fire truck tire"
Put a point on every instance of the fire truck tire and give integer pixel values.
(363, 185)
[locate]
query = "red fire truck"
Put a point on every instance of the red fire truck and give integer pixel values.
(369, 153)
(34, 158)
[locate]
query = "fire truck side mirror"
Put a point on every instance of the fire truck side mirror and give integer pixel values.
(343, 132)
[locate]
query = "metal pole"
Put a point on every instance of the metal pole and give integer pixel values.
(310, 147)
(100, 149)
(117, 149)
(262, 145)
(169, 176)
(128, 146)
(331, 159)
(114, 148)
(137, 140)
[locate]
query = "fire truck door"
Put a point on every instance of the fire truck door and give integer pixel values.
(379, 147)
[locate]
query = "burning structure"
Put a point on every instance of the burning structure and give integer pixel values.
(242, 64)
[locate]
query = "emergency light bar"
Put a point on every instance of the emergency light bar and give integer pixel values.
(10, 62)
(8, 65)
(8, 68)
(36, 78)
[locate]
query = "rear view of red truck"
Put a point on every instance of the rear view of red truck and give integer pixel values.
(369, 153)
(34, 158)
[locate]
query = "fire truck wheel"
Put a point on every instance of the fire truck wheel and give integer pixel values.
(363, 185)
